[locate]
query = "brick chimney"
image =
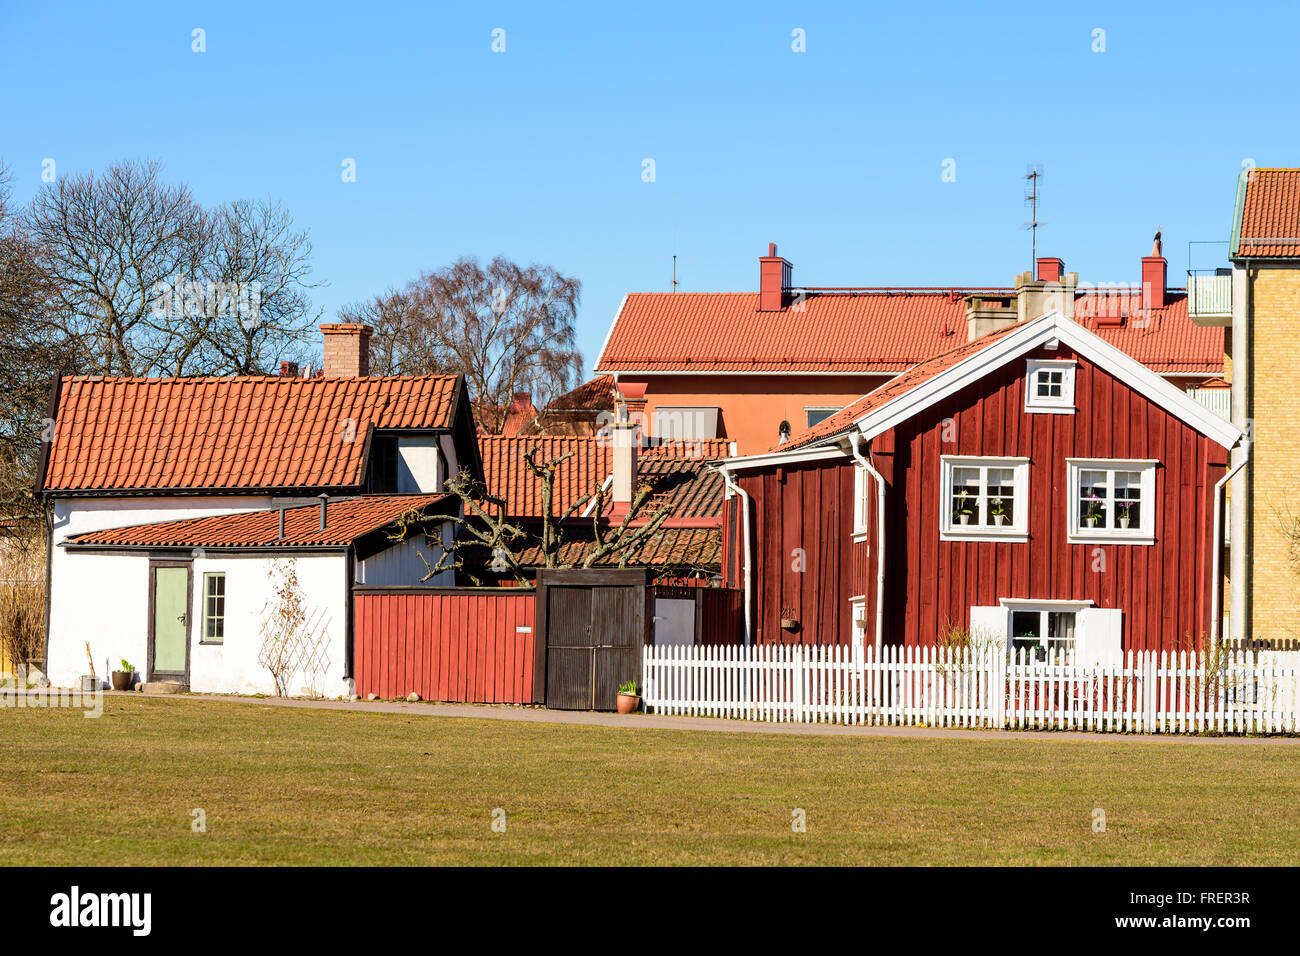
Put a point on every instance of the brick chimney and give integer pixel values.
(347, 350)
(289, 370)
(1155, 271)
(1050, 270)
(774, 274)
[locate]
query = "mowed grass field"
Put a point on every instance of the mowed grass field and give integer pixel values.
(285, 785)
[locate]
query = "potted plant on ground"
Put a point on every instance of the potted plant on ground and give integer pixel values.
(629, 700)
(963, 513)
(125, 678)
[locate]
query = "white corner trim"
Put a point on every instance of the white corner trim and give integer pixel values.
(608, 335)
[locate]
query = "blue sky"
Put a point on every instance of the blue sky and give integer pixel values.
(835, 153)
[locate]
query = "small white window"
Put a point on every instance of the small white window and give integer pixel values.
(984, 499)
(1043, 632)
(816, 414)
(1111, 500)
(1049, 386)
(861, 499)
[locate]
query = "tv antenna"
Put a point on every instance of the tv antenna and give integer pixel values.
(674, 273)
(1031, 199)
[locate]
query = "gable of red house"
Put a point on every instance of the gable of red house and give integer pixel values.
(817, 534)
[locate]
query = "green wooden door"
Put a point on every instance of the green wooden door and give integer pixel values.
(170, 626)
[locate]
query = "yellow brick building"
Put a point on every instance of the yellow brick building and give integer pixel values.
(1265, 505)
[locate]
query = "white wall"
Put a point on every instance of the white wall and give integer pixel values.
(232, 666)
(112, 612)
(103, 598)
(418, 466)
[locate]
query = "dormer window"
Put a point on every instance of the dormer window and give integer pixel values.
(1049, 386)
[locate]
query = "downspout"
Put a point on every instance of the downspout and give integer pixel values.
(732, 485)
(880, 533)
(1216, 555)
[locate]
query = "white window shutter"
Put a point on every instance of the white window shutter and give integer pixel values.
(988, 625)
(1099, 636)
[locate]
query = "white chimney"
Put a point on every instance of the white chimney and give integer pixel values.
(627, 447)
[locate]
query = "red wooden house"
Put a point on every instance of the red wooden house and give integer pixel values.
(1035, 484)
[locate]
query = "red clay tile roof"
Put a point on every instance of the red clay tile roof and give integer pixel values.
(520, 413)
(594, 396)
(245, 433)
(667, 547)
(864, 332)
(1270, 214)
(346, 520)
(679, 468)
(1164, 340)
(900, 385)
(834, 332)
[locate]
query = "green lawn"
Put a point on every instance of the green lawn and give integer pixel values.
(301, 786)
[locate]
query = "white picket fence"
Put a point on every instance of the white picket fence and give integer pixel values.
(1231, 693)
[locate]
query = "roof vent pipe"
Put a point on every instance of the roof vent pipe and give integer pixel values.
(324, 503)
(280, 537)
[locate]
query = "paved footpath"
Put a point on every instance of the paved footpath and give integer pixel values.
(539, 715)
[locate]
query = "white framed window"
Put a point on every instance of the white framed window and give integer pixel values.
(861, 499)
(1111, 500)
(1044, 630)
(1049, 386)
(816, 414)
(984, 499)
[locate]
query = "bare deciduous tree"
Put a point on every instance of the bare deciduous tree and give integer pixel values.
(254, 308)
(145, 281)
(509, 328)
(107, 243)
(486, 529)
(34, 351)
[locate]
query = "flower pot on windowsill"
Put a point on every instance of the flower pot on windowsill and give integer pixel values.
(1090, 521)
(628, 703)
(123, 680)
(963, 519)
(999, 520)
(1123, 522)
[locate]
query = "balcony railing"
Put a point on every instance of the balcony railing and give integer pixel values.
(1209, 296)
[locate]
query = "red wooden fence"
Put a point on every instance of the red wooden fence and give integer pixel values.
(473, 645)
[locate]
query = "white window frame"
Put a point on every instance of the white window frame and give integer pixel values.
(1078, 533)
(1016, 532)
(861, 501)
(1059, 405)
(828, 409)
(1043, 608)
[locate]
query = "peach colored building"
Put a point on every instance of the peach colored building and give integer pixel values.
(758, 367)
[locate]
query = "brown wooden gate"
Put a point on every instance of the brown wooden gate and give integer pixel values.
(594, 625)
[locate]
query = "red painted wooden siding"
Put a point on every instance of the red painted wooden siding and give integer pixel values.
(1163, 589)
(803, 517)
(722, 616)
(450, 645)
